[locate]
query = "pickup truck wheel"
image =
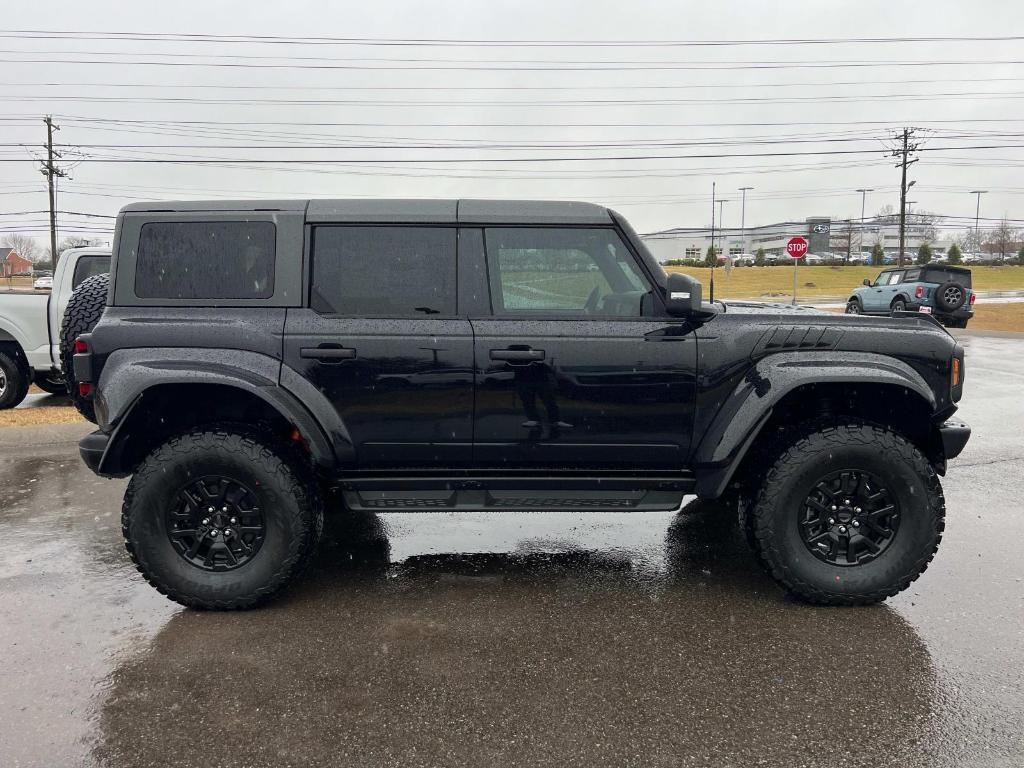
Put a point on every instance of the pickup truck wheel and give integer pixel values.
(85, 307)
(220, 520)
(51, 383)
(848, 515)
(14, 382)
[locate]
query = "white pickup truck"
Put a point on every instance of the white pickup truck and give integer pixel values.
(30, 327)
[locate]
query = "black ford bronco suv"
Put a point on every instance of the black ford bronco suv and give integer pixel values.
(253, 359)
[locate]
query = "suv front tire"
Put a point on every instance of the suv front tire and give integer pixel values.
(220, 520)
(847, 515)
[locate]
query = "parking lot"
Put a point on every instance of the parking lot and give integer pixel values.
(532, 639)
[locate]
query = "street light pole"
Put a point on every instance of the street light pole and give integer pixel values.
(977, 212)
(721, 226)
(863, 199)
(743, 217)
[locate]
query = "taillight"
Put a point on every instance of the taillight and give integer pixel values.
(81, 347)
(84, 388)
(919, 292)
(973, 297)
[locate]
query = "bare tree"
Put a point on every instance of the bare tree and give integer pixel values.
(1005, 239)
(887, 215)
(24, 246)
(842, 240)
(925, 224)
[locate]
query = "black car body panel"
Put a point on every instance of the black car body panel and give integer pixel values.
(468, 398)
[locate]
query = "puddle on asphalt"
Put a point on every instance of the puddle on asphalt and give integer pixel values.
(549, 638)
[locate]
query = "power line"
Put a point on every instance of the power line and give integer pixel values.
(459, 65)
(453, 42)
(506, 104)
(563, 159)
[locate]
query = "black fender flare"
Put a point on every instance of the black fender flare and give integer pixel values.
(736, 426)
(129, 373)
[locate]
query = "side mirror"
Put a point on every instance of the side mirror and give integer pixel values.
(867, 281)
(683, 296)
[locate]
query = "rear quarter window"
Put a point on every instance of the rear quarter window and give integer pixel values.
(206, 260)
(939, 275)
(89, 266)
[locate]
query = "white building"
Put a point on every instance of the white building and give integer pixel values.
(825, 237)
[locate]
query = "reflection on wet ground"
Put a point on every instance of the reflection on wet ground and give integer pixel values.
(533, 639)
(553, 653)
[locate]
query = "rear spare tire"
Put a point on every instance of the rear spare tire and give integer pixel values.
(950, 296)
(84, 310)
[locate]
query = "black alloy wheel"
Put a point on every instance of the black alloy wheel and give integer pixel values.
(216, 523)
(849, 518)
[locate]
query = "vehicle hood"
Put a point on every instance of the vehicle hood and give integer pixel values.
(771, 308)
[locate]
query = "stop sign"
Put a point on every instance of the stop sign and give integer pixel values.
(796, 247)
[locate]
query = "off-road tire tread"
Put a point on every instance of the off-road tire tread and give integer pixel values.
(252, 448)
(84, 310)
(812, 439)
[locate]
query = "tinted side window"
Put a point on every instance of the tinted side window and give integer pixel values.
(578, 271)
(206, 260)
(912, 275)
(89, 266)
(384, 271)
(940, 275)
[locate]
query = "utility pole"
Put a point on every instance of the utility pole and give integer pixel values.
(721, 227)
(713, 258)
(51, 172)
(863, 199)
(903, 153)
(743, 217)
(977, 213)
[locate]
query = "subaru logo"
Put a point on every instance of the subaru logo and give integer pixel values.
(820, 228)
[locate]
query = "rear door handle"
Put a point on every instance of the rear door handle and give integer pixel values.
(327, 353)
(517, 355)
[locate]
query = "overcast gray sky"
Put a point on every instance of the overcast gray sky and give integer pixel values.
(646, 125)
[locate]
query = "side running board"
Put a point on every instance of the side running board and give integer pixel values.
(434, 494)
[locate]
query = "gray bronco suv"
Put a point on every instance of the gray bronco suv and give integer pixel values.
(938, 289)
(256, 363)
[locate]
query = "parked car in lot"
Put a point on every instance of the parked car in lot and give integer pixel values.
(30, 327)
(43, 283)
(941, 290)
(254, 359)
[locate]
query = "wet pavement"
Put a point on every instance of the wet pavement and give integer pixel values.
(532, 639)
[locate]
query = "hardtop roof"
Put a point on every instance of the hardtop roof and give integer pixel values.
(409, 211)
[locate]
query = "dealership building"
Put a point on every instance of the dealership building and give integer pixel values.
(825, 237)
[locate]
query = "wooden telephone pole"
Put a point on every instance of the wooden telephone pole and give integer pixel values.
(903, 152)
(51, 172)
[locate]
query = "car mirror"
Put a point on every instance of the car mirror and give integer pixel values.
(683, 296)
(867, 281)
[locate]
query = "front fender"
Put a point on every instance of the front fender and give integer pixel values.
(129, 373)
(751, 403)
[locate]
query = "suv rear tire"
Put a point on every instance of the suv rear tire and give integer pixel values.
(819, 523)
(84, 310)
(221, 520)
